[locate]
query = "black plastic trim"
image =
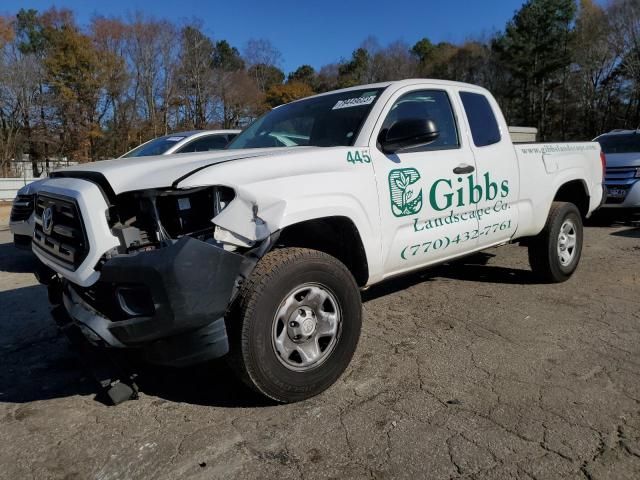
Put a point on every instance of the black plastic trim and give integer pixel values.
(93, 177)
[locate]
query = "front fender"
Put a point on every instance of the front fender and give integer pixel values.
(274, 194)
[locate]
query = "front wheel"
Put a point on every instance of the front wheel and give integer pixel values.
(555, 252)
(296, 325)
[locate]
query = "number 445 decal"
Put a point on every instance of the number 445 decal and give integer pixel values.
(358, 156)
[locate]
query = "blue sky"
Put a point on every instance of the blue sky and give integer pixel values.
(311, 31)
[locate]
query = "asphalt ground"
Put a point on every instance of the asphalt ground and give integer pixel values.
(469, 370)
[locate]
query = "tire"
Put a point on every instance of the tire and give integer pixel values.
(273, 348)
(551, 257)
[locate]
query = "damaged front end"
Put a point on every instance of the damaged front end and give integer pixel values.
(166, 287)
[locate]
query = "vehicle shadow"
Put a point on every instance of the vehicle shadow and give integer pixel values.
(630, 233)
(37, 362)
(211, 384)
(612, 218)
(473, 268)
(14, 260)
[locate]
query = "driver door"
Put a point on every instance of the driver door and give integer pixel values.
(426, 216)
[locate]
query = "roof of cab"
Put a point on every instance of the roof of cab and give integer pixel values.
(404, 83)
(407, 82)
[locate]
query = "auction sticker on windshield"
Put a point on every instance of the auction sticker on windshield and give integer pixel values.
(354, 102)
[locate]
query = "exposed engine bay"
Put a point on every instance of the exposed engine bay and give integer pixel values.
(146, 220)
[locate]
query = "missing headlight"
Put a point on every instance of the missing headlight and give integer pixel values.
(189, 212)
(148, 219)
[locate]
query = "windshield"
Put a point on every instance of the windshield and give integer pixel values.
(155, 147)
(620, 143)
(326, 121)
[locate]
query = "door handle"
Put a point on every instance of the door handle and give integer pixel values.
(464, 168)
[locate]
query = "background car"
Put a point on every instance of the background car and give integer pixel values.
(21, 219)
(622, 148)
(184, 142)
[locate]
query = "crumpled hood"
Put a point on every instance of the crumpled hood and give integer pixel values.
(129, 174)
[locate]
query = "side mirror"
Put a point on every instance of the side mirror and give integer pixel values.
(411, 132)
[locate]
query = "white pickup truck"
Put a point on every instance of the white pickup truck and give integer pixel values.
(259, 252)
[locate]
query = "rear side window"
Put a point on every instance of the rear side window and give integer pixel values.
(204, 144)
(483, 123)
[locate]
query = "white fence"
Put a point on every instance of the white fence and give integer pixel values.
(23, 169)
(9, 187)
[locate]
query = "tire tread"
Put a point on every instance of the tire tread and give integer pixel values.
(541, 249)
(266, 271)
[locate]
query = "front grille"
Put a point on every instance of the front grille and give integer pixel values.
(59, 233)
(22, 208)
(621, 175)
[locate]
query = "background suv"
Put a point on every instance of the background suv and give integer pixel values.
(622, 148)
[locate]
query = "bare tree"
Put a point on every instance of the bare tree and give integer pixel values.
(596, 56)
(625, 21)
(153, 53)
(263, 60)
(196, 76)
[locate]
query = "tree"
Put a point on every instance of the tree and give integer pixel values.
(266, 76)
(625, 26)
(303, 74)
(263, 59)
(423, 51)
(355, 71)
(153, 53)
(117, 110)
(596, 59)
(9, 105)
(7, 33)
(237, 95)
(328, 78)
(31, 50)
(280, 94)
(535, 50)
(239, 99)
(227, 57)
(75, 75)
(394, 62)
(196, 75)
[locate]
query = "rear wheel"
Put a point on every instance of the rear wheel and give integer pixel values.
(296, 325)
(555, 253)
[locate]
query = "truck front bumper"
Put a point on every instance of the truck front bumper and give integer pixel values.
(168, 303)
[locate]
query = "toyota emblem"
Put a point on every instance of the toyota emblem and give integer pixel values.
(47, 220)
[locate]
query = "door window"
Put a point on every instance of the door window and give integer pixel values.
(433, 105)
(483, 123)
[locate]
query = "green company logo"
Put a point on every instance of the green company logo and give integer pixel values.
(404, 200)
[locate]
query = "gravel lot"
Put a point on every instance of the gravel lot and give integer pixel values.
(471, 370)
